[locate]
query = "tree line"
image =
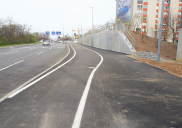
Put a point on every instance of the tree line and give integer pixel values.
(13, 33)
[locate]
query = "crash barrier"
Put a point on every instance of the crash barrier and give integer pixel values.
(114, 37)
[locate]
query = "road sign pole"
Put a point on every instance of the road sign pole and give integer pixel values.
(160, 32)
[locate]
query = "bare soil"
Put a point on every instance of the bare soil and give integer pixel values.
(168, 51)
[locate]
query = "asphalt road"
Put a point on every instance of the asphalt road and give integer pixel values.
(21, 63)
(84, 91)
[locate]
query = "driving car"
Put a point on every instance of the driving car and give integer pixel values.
(46, 43)
(124, 10)
(64, 42)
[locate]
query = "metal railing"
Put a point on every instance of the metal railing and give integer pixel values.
(114, 27)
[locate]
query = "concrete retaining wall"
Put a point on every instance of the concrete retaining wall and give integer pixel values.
(179, 50)
(109, 40)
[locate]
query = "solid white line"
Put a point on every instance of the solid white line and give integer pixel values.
(42, 77)
(24, 84)
(40, 53)
(79, 113)
(11, 65)
(8, 53)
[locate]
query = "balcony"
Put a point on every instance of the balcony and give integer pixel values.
(179, 10)
(157, 10)
(144, 21)
(165, 16)
(144, 27)
(164, 27)
(156, 16)
(163, 33)
(166, 5)
(156, 22)
(144, 15)
(165, 10)
(178, 22)
(180, 4)
(176, 38)
(155, 27)
(143, 32)
(145, 9)
(177, 27)
(157, 4)
(165, 22)
(179, 16)
(145, 3)
(177, 33)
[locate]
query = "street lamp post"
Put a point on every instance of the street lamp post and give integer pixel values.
(92, 25)
(160, 32)
(81, 32)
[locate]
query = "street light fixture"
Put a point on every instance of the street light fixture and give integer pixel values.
(92, 25)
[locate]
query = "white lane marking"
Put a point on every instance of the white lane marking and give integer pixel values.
(11, 65)
(60, 47)
(8, 53)
(24, 84)
(42, 77)
(40, 53)
(79, 113)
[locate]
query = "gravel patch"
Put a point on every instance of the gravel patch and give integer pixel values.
(148, 55)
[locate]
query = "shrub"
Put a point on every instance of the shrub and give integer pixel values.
(4, 41)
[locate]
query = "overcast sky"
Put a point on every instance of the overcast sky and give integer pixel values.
(51, 15)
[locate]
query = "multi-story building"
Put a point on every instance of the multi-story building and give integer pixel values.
(150, 11)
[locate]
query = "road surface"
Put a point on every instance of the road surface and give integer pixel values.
(88, 89)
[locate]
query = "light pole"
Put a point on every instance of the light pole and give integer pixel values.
(160, 32)
(81, 32)
(92, 25)
(72, 33)
(63, 30)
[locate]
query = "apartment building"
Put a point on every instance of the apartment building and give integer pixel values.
(151, 14)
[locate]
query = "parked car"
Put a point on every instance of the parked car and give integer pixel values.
(124, 10)
(46, 43)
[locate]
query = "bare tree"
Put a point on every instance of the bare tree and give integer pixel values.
(172, 26)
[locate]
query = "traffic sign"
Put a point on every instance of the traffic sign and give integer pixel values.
(47, 33)
(53, 33)
(58, 33)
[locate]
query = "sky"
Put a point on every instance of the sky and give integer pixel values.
(51, 15)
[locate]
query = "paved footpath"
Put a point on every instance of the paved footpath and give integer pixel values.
(124, 93)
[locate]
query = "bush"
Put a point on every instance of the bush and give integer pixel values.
(32, 38)
(4, 41)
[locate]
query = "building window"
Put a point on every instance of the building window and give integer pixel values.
(139, 7)
(139, 1)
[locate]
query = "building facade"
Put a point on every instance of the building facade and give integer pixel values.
(150, 11)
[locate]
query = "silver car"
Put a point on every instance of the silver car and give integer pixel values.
(46, 43)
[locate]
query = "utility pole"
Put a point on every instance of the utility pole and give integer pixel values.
(160, 32)
(92, 25)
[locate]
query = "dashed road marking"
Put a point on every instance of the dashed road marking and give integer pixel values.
(11, 65)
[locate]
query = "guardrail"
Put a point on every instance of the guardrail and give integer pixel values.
(114, 27)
